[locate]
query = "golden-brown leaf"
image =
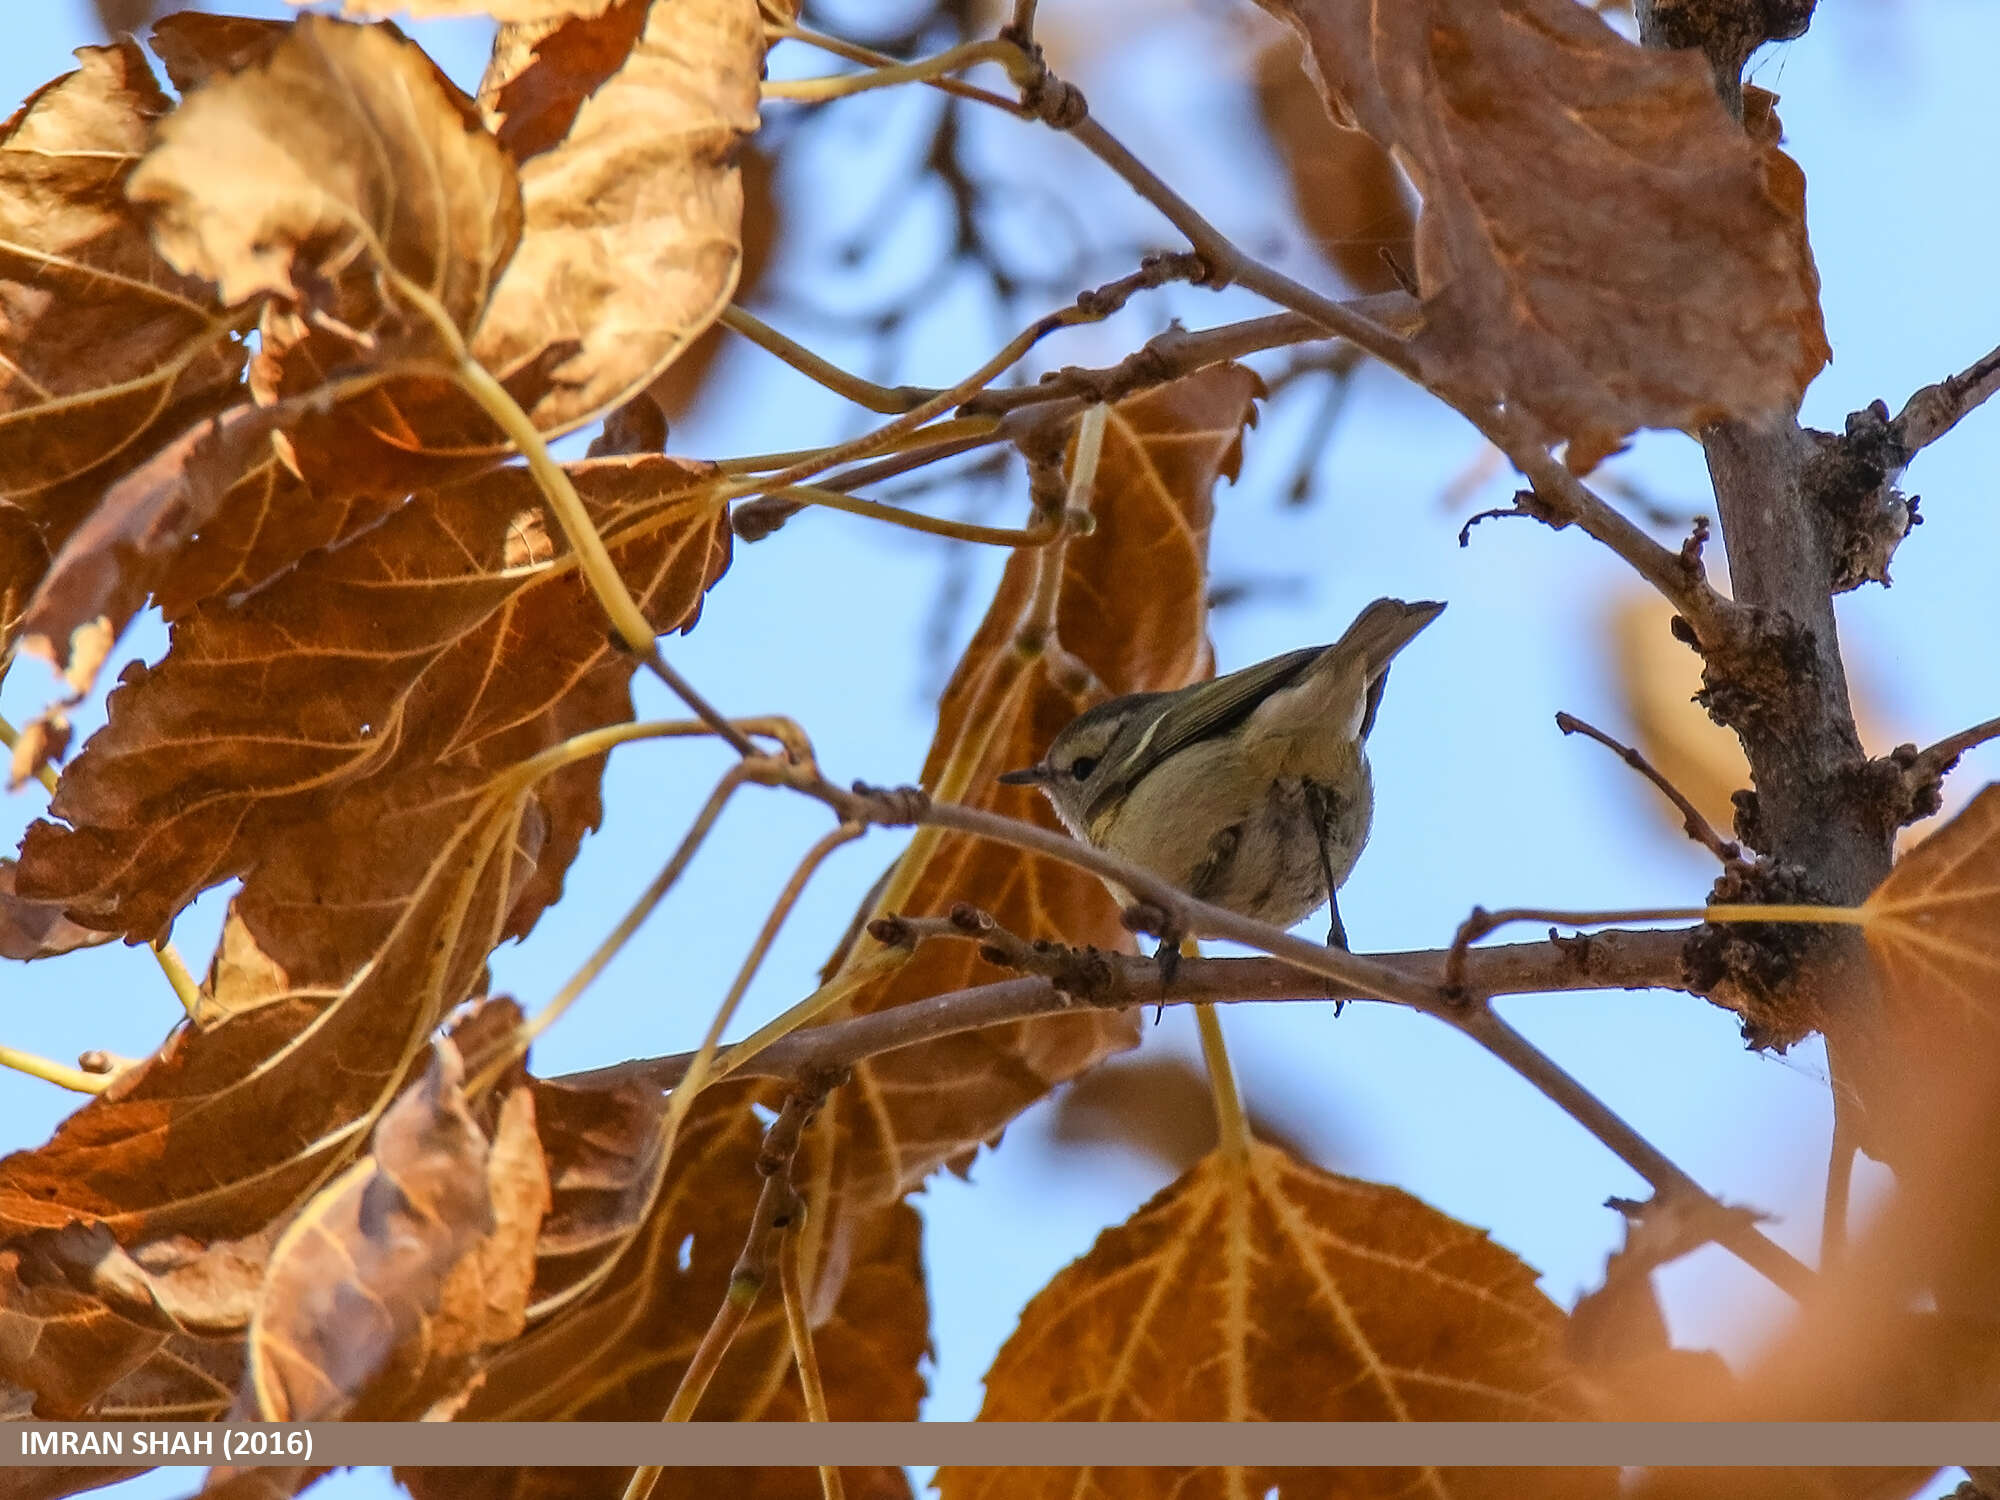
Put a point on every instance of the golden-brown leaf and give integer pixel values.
(37, 929)
(157, 1332)
(1269, 1290)
(1159, 1107)
(222, 1131)
(1347, 189)
(1934, 925)
(617, 1313)
(1922, 1072)
(356, 1316)
(258, 184)
(632, 242)
(103, 346)
(1132, 607)
(122, 550)
(1601, 245)
(384, 679)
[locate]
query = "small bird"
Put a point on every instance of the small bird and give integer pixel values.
(1250, 791)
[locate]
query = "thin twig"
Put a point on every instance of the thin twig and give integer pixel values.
(77, 1080)
(641, 909)
(698, 1073)
(1090, 307)
(778, 1209)
(791, 1281)
(795, 495)
(1698, 828)
(1747, 1242)
(1839, 1180)
(888, 74)
(1232, 1125)
(886, 400)
(869, 57)
(1942, 756)
(1936, 409)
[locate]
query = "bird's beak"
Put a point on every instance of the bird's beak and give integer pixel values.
(1026, 776)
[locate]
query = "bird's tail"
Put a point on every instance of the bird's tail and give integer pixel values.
(1380, 631)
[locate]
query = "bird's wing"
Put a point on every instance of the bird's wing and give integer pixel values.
(1215, 708)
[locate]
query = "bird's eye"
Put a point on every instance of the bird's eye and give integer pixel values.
(1083, 766)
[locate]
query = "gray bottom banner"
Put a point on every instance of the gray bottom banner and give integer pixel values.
(1010, 1445)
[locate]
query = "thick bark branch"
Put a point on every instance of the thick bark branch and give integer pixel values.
(1775, 675)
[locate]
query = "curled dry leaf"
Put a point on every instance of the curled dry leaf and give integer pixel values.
(627, 127)
(157, 1332)
(1132, 607)
(257, 186)
(124, 548)
(103, 345)
(223, 1131)
(631, 1271)
(1267, 1290)
(1346, 188)
(356, 1318)
(37, 929)
(322, 737)
(1601, 246)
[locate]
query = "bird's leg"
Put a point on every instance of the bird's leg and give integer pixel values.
(1145, 917)
(1318, 804)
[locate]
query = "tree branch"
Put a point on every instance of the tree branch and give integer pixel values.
(1698, 828)
(1936, 409)
(1618, 959)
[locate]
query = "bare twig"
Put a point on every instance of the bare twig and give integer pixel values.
(791, 1280)
(778, 1209)
(886, 400)
(1090, 307)
(1698, 828)
(1942, 756)
(1064, 979)
(1936, 409)
(1750, 1244)
(1839, 1180)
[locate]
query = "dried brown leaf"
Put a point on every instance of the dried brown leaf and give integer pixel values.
(1922, 1074)
(1934, 926)
(1132, 607)
(632, 244)
(1601, 246)
(223, 1131)
(1617, 1332)
(37, 929)
(1347, 189)
(624, 1292)
(124, 548)
(196, 46)
(356, 1316)
(154, 1328)
(256, 184)
(1158, 1107)
(103, 346)
(1268, 1290)
(385, 679)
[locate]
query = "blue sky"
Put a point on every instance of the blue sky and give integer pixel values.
(1888, 109)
